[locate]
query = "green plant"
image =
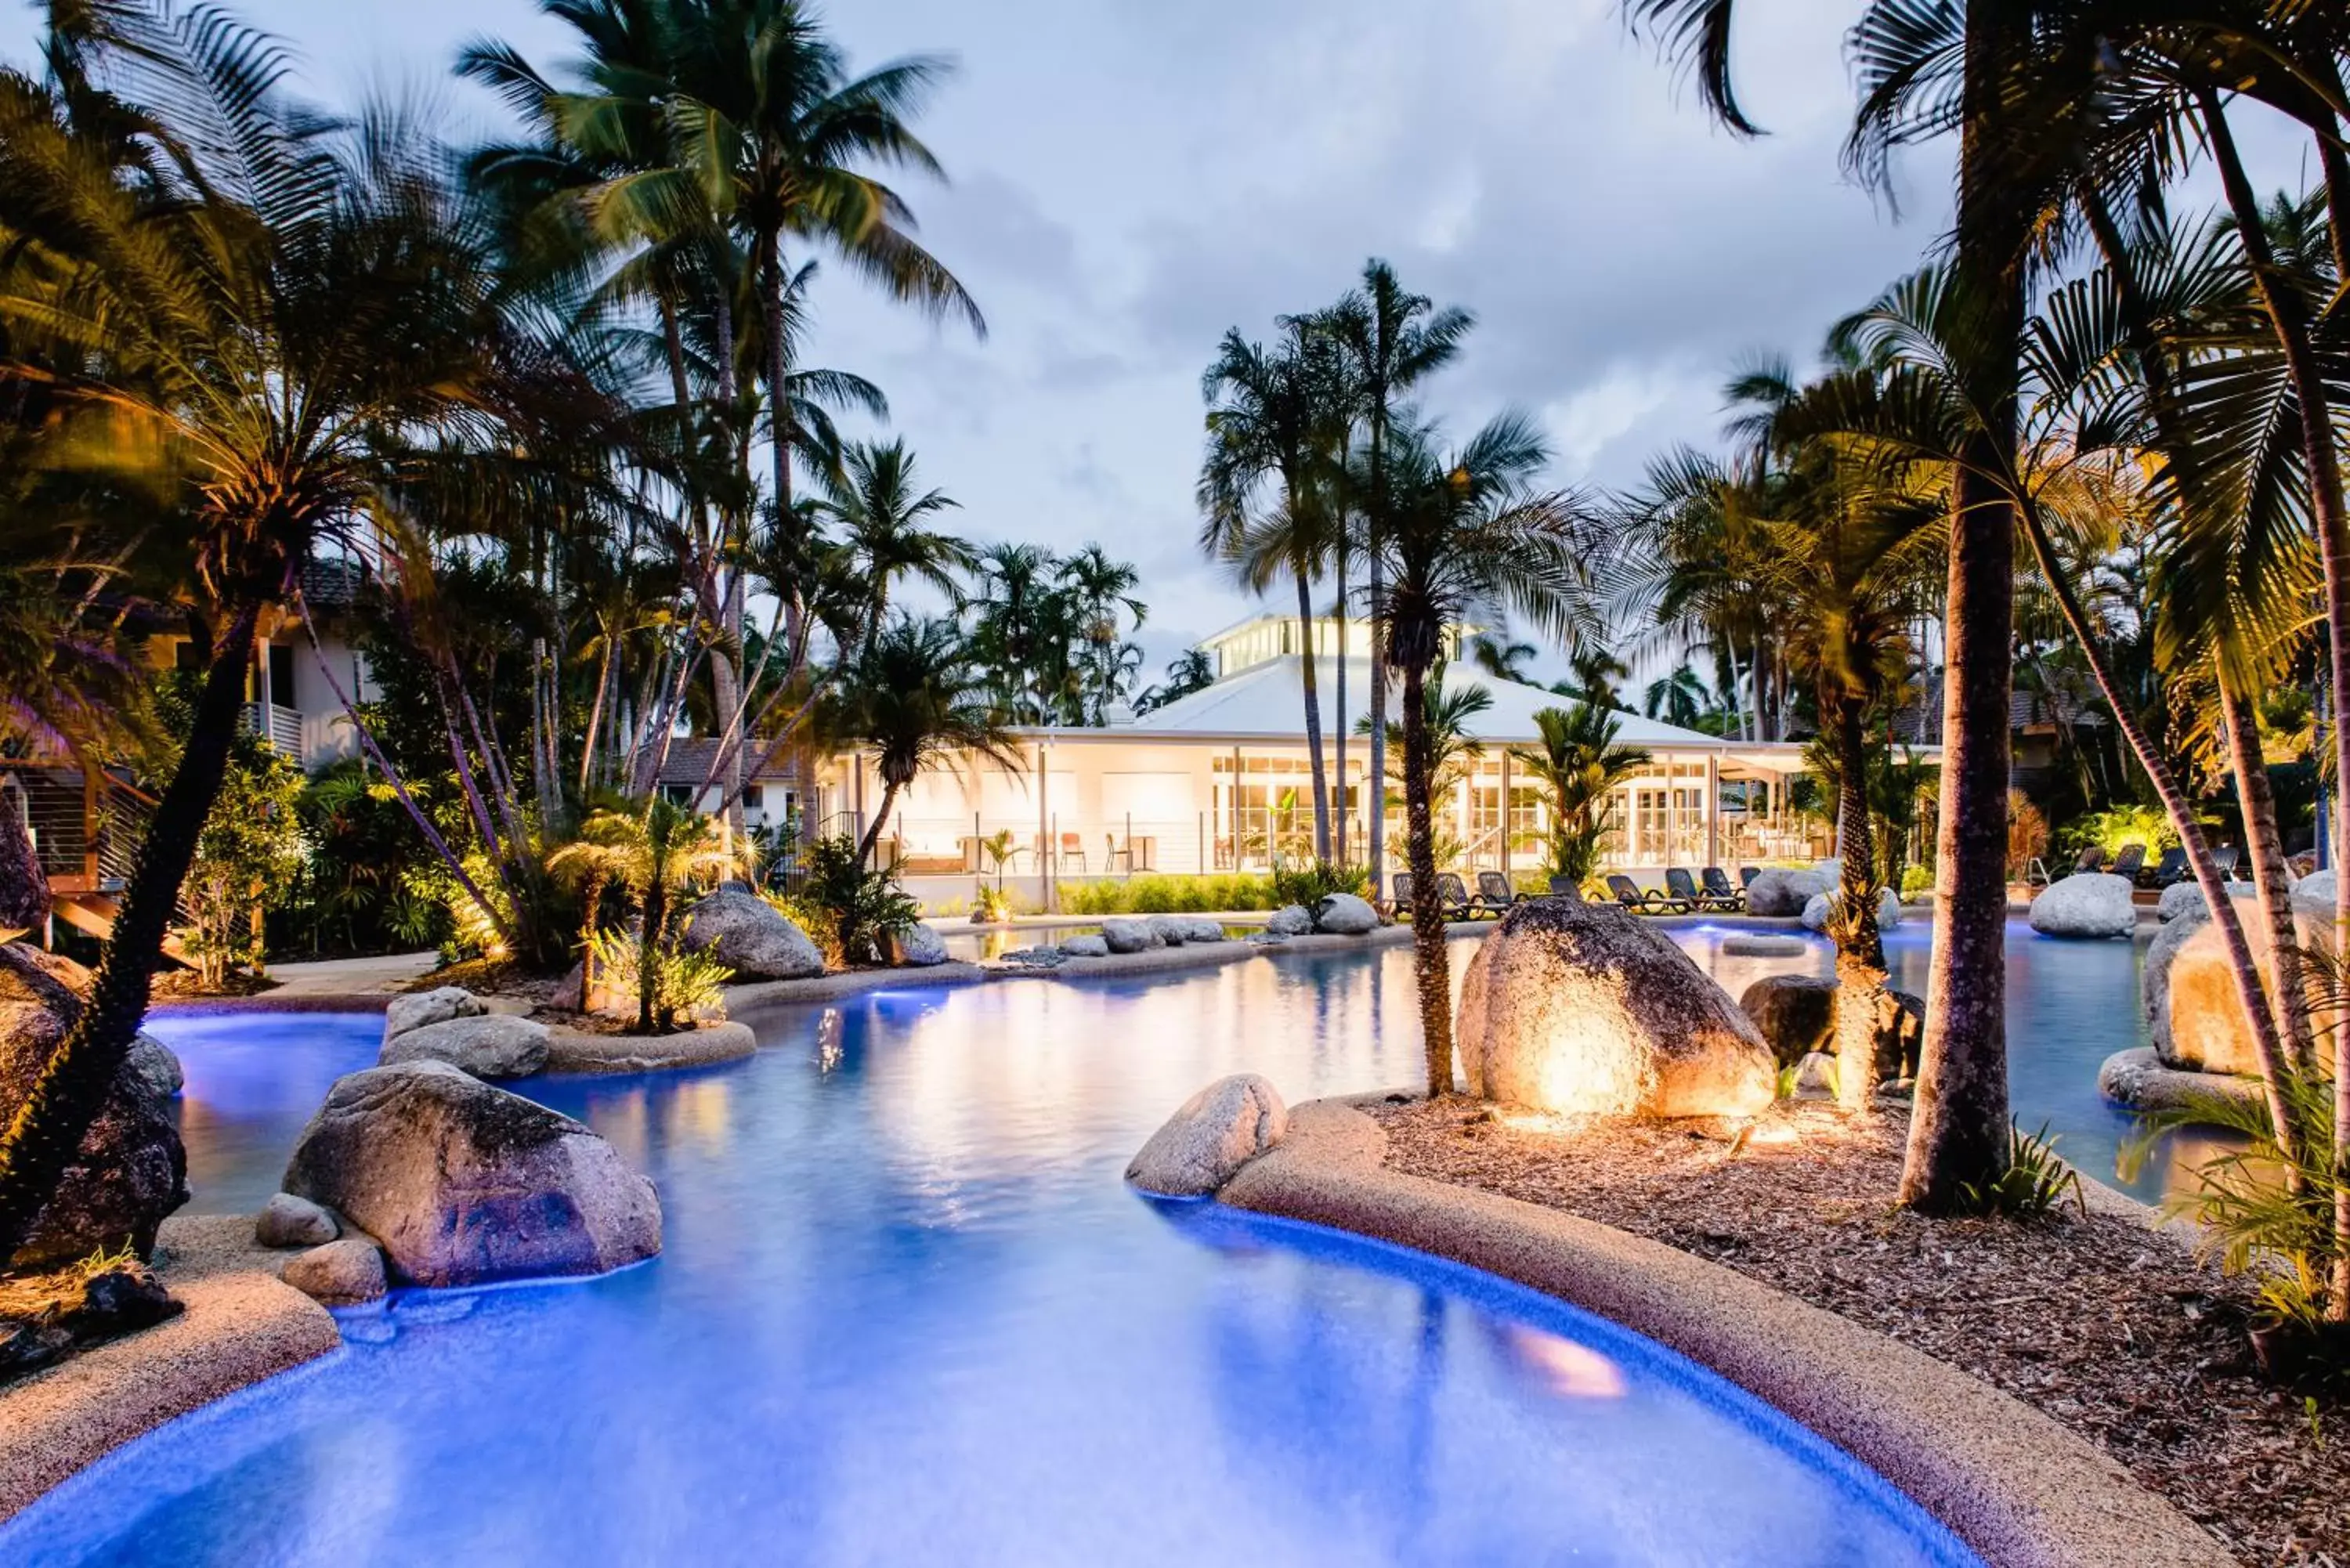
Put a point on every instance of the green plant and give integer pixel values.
(993, 905)
(847, 907)
(2035, 1182)
(2263, 1213)
(2122, 826)
(1160, 893)
(1306, 884)
(686, 985)
(252, 846)
(1914, 880)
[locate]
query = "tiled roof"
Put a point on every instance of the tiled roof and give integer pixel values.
(690, 758)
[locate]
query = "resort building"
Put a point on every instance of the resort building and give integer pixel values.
(1221, 780)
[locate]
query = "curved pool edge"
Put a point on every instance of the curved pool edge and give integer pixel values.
(2016, 1487)
(242, 1325)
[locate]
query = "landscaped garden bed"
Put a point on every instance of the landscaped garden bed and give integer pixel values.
(2097, 1320)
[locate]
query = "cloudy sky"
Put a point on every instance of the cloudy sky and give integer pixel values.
(1129, 178)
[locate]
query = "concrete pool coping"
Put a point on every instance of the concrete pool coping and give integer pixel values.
(242, 1324)
(2015, 1486)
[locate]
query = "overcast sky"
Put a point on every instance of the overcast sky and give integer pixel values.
(1130, 178)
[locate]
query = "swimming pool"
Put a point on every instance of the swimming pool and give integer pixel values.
(908, 1313)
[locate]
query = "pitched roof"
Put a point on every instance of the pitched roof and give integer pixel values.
(690, 758)
(1269, 700)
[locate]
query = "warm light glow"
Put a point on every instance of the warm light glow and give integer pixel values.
(1569, 1370)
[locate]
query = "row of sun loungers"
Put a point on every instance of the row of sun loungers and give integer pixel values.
(1681, 895)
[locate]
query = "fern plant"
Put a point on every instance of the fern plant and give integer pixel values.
(2035, 1185)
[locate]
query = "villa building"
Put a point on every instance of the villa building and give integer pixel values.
(1221, 780)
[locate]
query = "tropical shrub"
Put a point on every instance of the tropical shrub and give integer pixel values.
(686, 985)
(2027, 835)
(1914, 880)
(1159, 893)
(848, 909)
(252, 847)
(2035, 1183)
(2123, 824)
(1317, 880)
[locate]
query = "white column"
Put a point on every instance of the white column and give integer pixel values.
(1713, 808)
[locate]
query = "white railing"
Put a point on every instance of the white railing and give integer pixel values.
(282, 727)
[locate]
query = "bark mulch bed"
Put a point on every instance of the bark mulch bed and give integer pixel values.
(2110, 1328)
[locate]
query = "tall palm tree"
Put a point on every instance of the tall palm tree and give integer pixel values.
(1500, 657)
(1101, 592)
(1268, 417)
(1467, 537)
(1390, 340)
(1583, 764)
(1013, 634)
(245, 336)
(2008, 164)
(882, 511)
(916, 696)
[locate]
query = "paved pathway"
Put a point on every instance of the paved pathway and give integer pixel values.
(350, 977)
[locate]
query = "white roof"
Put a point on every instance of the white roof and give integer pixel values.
(1269, 700)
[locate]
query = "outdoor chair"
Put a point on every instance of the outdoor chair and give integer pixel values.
(1452, 896)
(2130, 861)
(2093, 858)
(1683, 889)
(1399, 893)
(2225, 859)
(1746, 875)
(1638, 899)
(2171, 868)
(1113, 857)
(1720, 893)
(1073, 848)
(1494, 892)
(2035, 873)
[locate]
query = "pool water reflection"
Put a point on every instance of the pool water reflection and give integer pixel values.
(910, 1314)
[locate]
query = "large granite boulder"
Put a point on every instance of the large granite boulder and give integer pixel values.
(421, 1010)
(1290, 920)
(463, 1183)
(23, 888)
(2087, 905)
(2188, 989)
(1344, 915)
(750, 936)
(2314, 894)
(1209, 1136)
(1795, 1014)
(917, 947)
(1781, 892)
(1583, 1008)
(131, 1169)
(1130, 935)
(493, 1045)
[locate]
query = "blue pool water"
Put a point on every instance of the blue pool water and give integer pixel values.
(910, 1314)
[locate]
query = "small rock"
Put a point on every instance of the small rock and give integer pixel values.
(1796, 1012)
(1210, 1136)
(497, 1045)
(427, 1007)
(286, 1220)
(121, 1300)
(340, 1273)
(917, 947)
(1345, 914)
(1201, 929)
(1173, 930)
(1781, 892)
(1744, 945)
(1130, 936)
(1035, 958)
(2087, 905)
(153, 1067)
(1086, 947)
(1267, 939)
(27, 1347)
(1291, 921)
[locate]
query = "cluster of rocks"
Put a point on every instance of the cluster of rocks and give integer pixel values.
(1140, 933)
(1781, 892)
(131, 1169)
(418, 1173)
(451, 1024)
(2087, 905)
(1796, 1014)
(1582, 1009)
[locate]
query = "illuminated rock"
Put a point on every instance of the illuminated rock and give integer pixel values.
(2087, 905)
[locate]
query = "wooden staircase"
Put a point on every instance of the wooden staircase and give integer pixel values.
(93, 913)
(86, 854)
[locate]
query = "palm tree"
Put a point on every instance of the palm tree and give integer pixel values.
(1500, 657)
(1268, 420)
(917, 696)
(245, 338)
(1390, 341)
(1014, 630)
(2009, 163)
(1679, 698)
(1101, 593)
(881, 510)
(1466, 538)
(1583, 764)
(655, 855)
(1596, 672)
(1189, 672)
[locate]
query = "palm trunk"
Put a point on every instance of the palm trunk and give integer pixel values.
(595, 722)
(2289, 314)
(873, 828)
(1345, 815)
(1378, 717)
(2289, 995)
(779, 433)
(1430, 965)
(1312, 684)
(648, 949)
(1860, 947)
(65, 1096)
(1959, 1123)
